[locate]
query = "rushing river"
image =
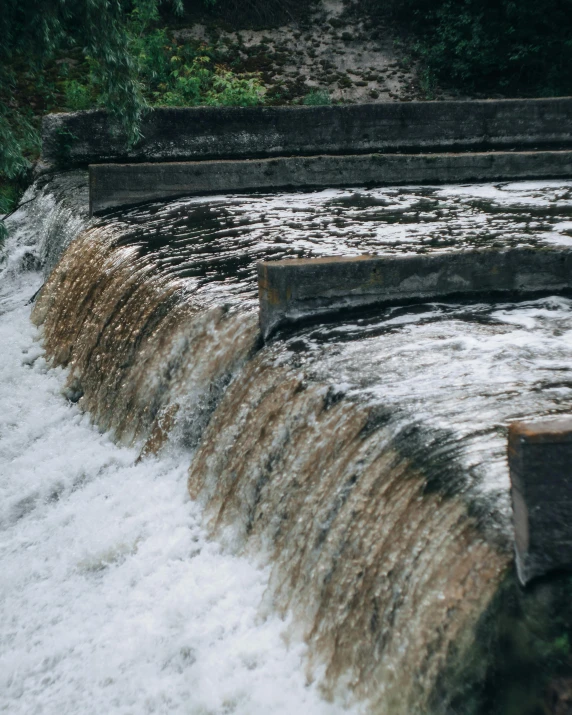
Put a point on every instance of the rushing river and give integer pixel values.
(359, 463)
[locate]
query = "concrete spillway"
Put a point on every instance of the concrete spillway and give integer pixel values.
(363, 459)
(113, 185)
(209, 133)
(296, 290)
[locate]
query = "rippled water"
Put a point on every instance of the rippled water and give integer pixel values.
(220, 239)
(464, 371)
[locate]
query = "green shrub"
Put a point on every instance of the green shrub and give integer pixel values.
(316, 98)
(77, 95)
(75, 56)
(234, 90)
(10, 194)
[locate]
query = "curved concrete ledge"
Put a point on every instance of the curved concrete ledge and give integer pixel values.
(114, 185)
(196, 133)
(301, 289)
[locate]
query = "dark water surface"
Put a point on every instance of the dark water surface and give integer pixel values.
(220, 239)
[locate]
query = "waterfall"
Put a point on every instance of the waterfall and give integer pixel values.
(112, 596)
(53, 211)
(362, 459)
(131, 339)
(371, 563)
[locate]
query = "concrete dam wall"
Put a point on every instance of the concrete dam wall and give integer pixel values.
(362, 458)
(196, 133)
(203, 150)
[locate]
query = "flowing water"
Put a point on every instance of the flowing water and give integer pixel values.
(112, 597)
(362, 459)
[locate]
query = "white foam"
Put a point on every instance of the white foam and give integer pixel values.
(112, 599)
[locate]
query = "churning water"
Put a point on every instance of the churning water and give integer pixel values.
(362, 460)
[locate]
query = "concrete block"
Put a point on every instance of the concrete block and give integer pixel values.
(301, 289)
(113, 185)
(199, 133)
(540, 462)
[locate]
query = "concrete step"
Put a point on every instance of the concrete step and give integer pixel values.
(296, 290)
(114, 185)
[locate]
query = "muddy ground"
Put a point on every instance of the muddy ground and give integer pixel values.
(334, 54)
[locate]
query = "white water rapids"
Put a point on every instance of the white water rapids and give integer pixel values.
(112, 600)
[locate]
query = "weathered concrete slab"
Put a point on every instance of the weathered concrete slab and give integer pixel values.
(540, 461)
(183, 134)
(113, 185)
(301, 289)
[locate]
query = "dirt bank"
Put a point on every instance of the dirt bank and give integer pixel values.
(334, 54)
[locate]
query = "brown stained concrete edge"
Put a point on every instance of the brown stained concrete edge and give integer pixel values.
(324, 260)
(547, 430)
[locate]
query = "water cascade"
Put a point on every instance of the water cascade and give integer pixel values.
(363, 458)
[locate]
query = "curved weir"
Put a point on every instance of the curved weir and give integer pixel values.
(363, 458)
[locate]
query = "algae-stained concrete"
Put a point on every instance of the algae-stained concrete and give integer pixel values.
(540, 462)
(301, 289)
(183, 134)
(113, 185)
